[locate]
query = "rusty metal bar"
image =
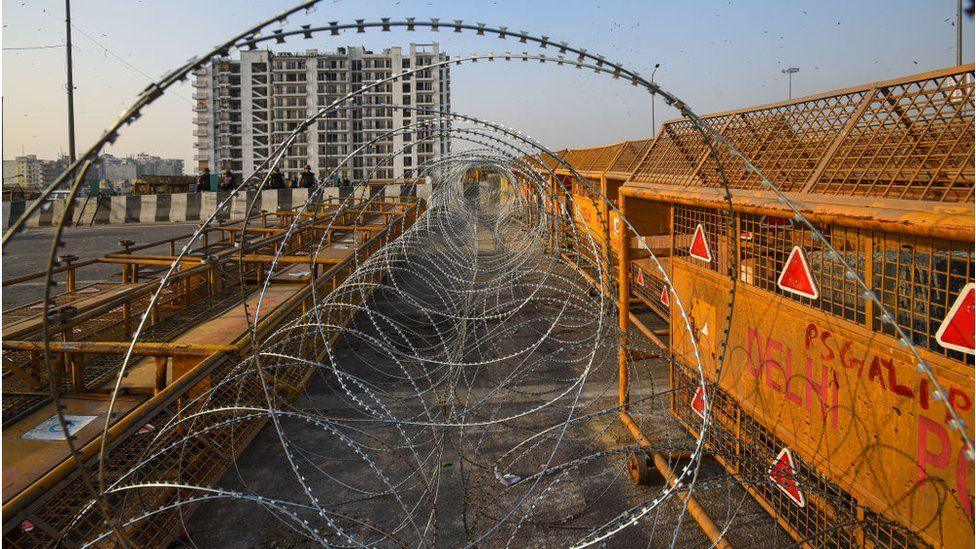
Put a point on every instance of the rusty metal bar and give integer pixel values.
(697, 512)
(950, 221)
(119, 347)
(28, 277)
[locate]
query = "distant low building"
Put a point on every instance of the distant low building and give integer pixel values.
(154, 165)
(114, 168)
(24, 171)
(27, 175)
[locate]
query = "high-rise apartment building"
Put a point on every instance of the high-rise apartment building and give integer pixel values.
(246, 107)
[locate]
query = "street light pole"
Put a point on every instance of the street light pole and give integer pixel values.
(71, 83)
(653, 101)
(958, 32)
(789, 75)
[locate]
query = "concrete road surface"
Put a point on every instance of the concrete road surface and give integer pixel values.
(29, 251)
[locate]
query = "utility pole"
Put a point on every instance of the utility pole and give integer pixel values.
(958, 32)
(71, 83)
(789, 74)
(653, 101)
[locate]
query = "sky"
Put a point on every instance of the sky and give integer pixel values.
(715, 55)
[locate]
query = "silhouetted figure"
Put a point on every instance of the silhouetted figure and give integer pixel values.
(228, 183)
(277, 180)
(203, 181)
(307, 179)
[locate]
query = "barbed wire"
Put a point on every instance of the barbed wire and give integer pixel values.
(469, 336)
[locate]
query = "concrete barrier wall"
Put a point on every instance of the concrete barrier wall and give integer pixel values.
(171, 208)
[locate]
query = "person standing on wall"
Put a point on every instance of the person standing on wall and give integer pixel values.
(203, 181)
(307, 179)
(228, 183)
(277, 180)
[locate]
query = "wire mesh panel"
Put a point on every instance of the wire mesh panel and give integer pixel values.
(830, 518)
(716, 227)
(785, 142)
(827, 503)
(903, 139)
(646, 283)
(913, 141)
(676, 154)
(548, 160)
(596, 159)
(766, 244)
(630, 154)
(918, 280)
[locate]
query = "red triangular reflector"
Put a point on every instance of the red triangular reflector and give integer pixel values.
(958, 329)
(699, 245)
(698, 402)
(772, 221)
(665, 296)
(783, 475)
(796, 277)
(640, 276)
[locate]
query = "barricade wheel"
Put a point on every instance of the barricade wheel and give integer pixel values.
(640, 473)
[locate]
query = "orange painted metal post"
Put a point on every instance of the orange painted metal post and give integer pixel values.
(604, 210)
(623, 307)
(161, 364)
(70, 282)
(77, 361)
(555, 209)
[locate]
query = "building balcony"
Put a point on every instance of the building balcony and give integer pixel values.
(200, 96)
(201, 133)
(204, 157)
(201, 83)
(198, 120)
